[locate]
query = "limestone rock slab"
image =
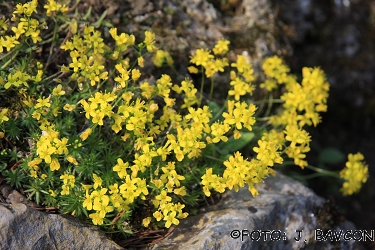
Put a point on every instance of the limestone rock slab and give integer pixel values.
(22, 227)
(284, 207)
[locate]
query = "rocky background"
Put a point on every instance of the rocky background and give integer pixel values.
(339, 37)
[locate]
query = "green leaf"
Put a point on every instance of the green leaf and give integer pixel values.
(331, 156)
(233, 145)
(210, 150)
(100, 20)
(88, 14)
(107, 24)
(225, 157)
(216, 111)
(3, 167)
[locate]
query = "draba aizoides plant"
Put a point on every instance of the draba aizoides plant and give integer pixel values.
(100, 140)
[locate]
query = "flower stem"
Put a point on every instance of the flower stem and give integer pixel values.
(202, 85)
(320, 171)
(212, 87)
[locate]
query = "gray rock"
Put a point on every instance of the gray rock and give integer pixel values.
(284, 210)
(22, 227)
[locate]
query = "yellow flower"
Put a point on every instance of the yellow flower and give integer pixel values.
(201, 57)
(221, 47)
(43, 103)
(269, 85)
(65, 190)
(58, 90)
(124, 75)
(97, 181)
(236, 134)
(268, 153)
(355, 173)
(45, 152)
(157, 183)
(55, 165)
(53, 194)
(210, 180)
(102, 207)
(19, 30)
(296, 135)
(218, 130)
(158, 59)
(87, 203)
(9, 42)
(162, 56)
(240, 88)
(171, 219)
(3, 117)
(241, 64)
(274, 67)
(180, 191)
(71, 159)
(193, 70)
(121, 168)
(136, 74)
(96, 218)
(33, 174)
(158, 216)
(85, 134)
(149, 41)
(170, 174)
(68, 179)
(141, 61)
(52, 7)
(146, 221)
(161, 198)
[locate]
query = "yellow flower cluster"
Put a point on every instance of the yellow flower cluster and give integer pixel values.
(132, 187)
(162, 57)
(119, 197)
(149, 41)
(169, 182)
(149, 150)
(98, 107)
(87, 68)
(189, 93)
(43, 107)
(49, 147)
(299, 144)
(208, 61)
(122, 42)
(26, 25)
(355, 174)
(301, 106)
(68, 182)
(277, 71)
(241, 115)
(168, 211)
(3, 117)
(133, 117)
(241, 81)
(53, 7)
(238, 172)
(302, 102)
